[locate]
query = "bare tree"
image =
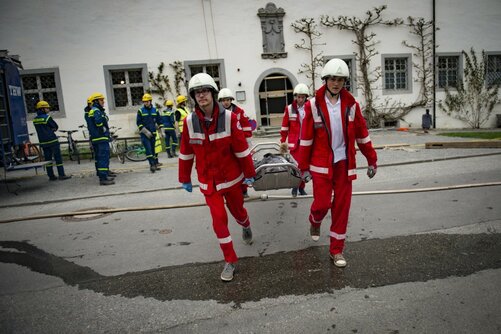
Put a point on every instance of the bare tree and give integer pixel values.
(366, 50)
(179, 75)
(423, 52)
(308, 27)
(160, 84)
(474, 100)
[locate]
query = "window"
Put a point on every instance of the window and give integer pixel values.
(125, 85)
(448, 67)
(493, 69)
(350, 61)
(397, 73)
(214, 68)
(42, 84)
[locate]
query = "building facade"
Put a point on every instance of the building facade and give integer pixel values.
(72, 48)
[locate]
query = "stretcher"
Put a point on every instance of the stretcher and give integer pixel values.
(273, 169)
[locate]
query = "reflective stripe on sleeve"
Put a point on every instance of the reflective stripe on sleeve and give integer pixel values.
(284, 128)
(364, 140)
(242, 154)
(352, 172)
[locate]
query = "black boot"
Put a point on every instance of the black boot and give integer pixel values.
(106, 182)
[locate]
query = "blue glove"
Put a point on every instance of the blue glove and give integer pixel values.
(188, 187)
(249, 181)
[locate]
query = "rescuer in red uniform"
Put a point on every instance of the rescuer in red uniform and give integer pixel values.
(213, 138)
(333, 123)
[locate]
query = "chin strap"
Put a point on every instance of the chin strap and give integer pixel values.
(332, 94)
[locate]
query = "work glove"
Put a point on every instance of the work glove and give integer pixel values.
(187, 186)
(146, 132)
(284, 147)
(306, 176)
(249, 181)
(371, 171)
(161, 133)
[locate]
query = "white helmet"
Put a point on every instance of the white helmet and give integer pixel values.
(201, 80)
(336, 68)
(225, 93)
(301, 89)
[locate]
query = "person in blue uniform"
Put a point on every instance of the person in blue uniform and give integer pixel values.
(46, 129)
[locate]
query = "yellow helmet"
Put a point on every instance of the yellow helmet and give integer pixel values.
(42, 104)
(169, 103)
(89, 100)
(95, 96)
(147, 97)
(181, 99)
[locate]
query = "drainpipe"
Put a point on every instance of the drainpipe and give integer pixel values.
(434, 68)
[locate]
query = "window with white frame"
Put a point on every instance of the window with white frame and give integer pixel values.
(42, 84)
(125, 85)
(214, 68)
(397, 73)
(350, 61)
(448, 69)
(493, 74)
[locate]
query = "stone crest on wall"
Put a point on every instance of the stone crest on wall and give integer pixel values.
(272, 27)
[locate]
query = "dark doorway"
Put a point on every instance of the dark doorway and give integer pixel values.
(275, 92)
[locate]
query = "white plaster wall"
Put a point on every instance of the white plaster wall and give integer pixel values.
(80, 37)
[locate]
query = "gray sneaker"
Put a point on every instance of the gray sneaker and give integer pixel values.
(339, 260)
(247, 235)
(315, 232)
(227, 274)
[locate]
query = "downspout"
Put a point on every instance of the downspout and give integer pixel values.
(434, 68)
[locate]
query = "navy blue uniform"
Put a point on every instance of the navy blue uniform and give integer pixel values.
(46, 129)
(99, 133)
(168, 118)
(149, 118)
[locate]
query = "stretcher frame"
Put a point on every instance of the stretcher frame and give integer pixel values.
(268, 179)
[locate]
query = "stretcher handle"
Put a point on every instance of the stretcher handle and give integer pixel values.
(265, 145)
(282, 164)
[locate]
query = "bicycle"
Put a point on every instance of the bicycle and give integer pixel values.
(73, 152)
(136, 152)
(116, 147)
(85, 133)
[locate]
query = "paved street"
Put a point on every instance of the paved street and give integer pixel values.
(422, 257)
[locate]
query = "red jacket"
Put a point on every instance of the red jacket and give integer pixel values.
(222, 156)
(316, 153)
(243, 119)
(291, 127)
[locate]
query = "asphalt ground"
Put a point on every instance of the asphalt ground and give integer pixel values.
(418, 262)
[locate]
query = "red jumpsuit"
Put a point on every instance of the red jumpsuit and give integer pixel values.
(316, 155)
(223, 159)
(290, 131)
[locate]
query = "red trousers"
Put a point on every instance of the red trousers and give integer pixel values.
(235, 203)
(340, 206)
